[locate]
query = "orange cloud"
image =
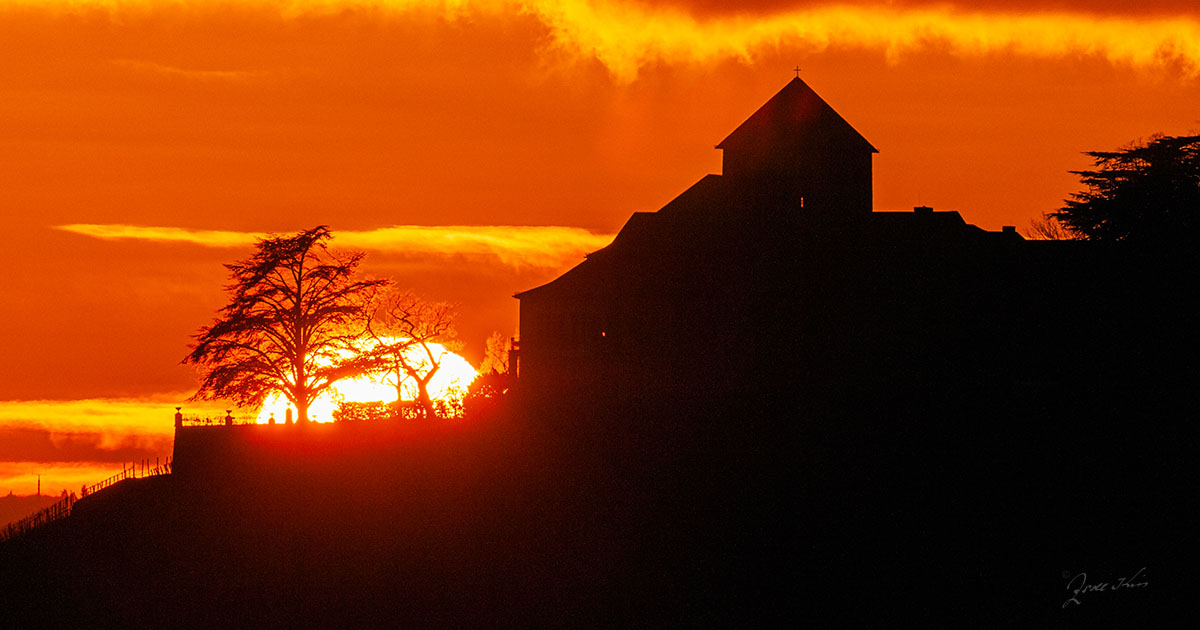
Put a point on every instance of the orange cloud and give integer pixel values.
(207, 238)
(146, 67)
(628, 36)
(516, 246)
(75, 442)
(36, 445)
(115, 418)
(625, 35)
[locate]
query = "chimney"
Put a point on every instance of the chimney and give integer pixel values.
(923, 210)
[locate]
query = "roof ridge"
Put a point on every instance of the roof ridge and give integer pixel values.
(796, 99)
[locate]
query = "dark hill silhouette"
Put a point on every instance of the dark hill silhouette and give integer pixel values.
(897, 507)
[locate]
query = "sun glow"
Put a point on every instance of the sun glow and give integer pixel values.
(448, 384)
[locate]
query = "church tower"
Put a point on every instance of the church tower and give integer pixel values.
(802, 155)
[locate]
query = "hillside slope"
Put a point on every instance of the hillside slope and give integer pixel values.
(659, 515)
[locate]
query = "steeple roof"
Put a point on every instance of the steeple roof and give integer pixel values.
(795, 113)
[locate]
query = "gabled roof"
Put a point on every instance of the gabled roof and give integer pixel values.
(796, 111)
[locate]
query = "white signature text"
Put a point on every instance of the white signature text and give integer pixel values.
(1079, 587)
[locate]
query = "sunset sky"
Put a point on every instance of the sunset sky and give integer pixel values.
(473, 150)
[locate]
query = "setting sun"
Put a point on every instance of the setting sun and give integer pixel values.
(448, 384)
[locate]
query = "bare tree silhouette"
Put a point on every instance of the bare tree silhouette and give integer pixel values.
(495, 377)
(495, 355)
(410, 338)
(1049, 228)
(289, 326)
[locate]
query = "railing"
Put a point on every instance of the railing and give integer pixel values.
(448, 407)
(62, 508)
(197, 421)
(377, 411)
(130, 473)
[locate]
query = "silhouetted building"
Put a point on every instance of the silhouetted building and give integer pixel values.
(776, 276)
(801, 154)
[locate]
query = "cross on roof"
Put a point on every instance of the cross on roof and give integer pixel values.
(797, 71)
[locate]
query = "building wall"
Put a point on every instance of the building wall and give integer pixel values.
(825, 181)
